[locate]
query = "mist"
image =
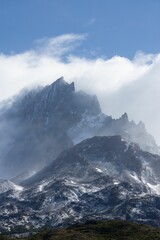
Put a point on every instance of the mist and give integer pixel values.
(121, 84)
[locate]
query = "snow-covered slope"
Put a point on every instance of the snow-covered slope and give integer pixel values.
(111, 156)
(99, 178)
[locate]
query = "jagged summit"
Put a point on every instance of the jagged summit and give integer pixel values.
(42, 123)
(124, 117)
(61, 83)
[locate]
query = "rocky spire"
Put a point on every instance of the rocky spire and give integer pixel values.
(60, 83)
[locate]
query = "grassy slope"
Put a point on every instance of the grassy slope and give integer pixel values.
(100, 230)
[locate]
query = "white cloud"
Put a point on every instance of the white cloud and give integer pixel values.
(60, 45)
(90, 22)
(121, 84)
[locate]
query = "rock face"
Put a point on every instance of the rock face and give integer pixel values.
(34, 128)
(39, 124)
(100, 178)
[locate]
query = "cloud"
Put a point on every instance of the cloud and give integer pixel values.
(121, 84)
(90, 22)
(60, 45)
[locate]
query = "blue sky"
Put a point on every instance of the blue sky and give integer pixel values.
(114, 27)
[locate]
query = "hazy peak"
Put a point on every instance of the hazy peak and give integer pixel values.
(124, 116)
(61, 83)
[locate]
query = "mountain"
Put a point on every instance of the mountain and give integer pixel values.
(34, 128)
(99, 178)
(68, 162)
(37, 125)
(88, 159)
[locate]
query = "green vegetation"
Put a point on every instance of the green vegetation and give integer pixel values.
(98, 230)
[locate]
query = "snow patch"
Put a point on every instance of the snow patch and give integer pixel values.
(115, 182)
(135, 177)
(155, 189)
(42, 185)
(98, 170)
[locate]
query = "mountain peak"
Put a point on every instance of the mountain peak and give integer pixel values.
(61, 83)
(125, 116)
